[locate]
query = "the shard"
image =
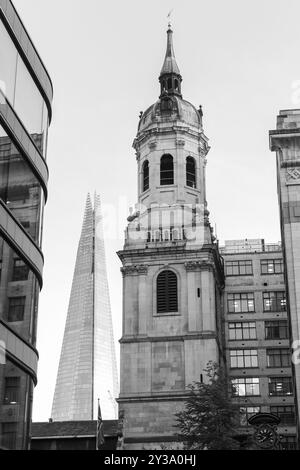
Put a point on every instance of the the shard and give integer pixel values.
(88, 368)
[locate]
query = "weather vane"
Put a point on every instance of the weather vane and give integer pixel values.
(169, 17)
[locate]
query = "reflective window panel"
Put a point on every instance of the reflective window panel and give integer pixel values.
(19, 188)
(19, 292)
(21, 91)
(15, 397)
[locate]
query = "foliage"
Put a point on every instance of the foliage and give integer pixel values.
(209, 420)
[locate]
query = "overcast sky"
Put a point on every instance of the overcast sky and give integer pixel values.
(239, 59)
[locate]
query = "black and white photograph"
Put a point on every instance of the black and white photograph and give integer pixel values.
(149, 228)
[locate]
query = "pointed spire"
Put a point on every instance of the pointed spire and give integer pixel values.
(170, 78)
(170, 64)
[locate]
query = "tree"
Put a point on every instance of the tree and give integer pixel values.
(209, 420)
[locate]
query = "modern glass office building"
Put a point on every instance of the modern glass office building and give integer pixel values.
(25, 114)
(88, 368)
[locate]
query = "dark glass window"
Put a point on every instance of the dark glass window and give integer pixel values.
(280, 386)
(239, 268)
(245, 386)
(11, 390)
(276, 329)
(16, 309)
(271, 266)
(246, 412)
(9, 435)
(288, 442)
(21, 271)
(146, 175)
(285, 413)
(240, 303)
(167, 295)
(274, 301)
(242, 358)
(278, 357)
(242, 330)
(166, 170)
(191, 172)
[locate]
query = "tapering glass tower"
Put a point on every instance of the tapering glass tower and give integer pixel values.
(87, 368)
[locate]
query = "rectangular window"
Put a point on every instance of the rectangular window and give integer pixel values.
(278, 357)
(11, 390)
(274, 301)
(242, 330)
(242, 358)
(16, 309)
(245, 386)
(240, 303)
(288, 443)
(9, 435)
(276, 329)
(246, 412)
(239, 268)
(280, 386)
(21, 271)
(285, 413)
(271, 266)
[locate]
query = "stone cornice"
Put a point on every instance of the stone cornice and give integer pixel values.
(137, 269)
(163, 339)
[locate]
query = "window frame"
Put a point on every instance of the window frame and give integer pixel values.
(268, 262)
(18, 307)
(166, 311)
(244, 356)
(239, 264)
(243, 330)
(145, 179)
(271, 324)
(248, 384)
(268, 296)
(238, 297)
(192, 174)
(167, 181)
(278, 353)
(286, 382)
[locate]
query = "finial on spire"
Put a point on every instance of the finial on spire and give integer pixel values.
(169, 19)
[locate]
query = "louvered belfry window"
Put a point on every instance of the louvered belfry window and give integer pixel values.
(167, 295)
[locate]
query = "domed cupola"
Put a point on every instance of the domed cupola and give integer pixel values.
(170, 78)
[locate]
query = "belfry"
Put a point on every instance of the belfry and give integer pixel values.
(172, 272)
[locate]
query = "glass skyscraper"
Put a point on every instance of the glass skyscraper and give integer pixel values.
(25, 113)
(87, 368)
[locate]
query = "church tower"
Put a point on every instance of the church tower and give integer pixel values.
(172, 271)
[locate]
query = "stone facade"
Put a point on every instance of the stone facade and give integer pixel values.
(162, 353)
(285, 141)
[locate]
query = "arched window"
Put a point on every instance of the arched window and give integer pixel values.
(169, 83)
(146, 175)
(166, 170)
(166, 292)
(190, 172)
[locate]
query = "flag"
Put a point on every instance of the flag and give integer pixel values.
(100, 434)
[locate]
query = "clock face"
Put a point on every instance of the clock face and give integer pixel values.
(265, 436)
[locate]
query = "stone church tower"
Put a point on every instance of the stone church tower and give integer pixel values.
(172, 271)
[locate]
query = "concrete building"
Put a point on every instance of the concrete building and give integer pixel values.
(285, 141)
(88, 368)
(25, 114)
(257, 334)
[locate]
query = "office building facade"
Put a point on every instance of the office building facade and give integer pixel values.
(88, 369)
(257, 332)
(25, 114)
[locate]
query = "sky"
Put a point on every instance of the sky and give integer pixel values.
(239, 59)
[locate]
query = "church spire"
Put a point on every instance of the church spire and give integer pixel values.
(170, 78)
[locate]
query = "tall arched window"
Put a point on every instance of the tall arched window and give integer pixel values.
(190, 172)
(166, 292)
(166, 170)
(146, 175)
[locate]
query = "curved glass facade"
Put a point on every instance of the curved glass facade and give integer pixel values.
(21, 91)
(24, 120)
